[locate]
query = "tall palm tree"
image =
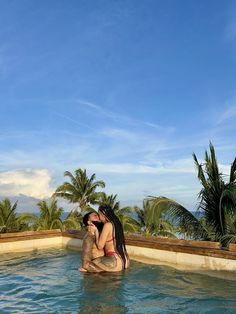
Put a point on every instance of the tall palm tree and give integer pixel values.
(217, 198)
(123, 213)
(81, 189)
(217, 202)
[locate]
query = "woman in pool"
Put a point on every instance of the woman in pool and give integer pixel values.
(112, 241)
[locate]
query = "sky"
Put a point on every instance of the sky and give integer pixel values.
(125, 89)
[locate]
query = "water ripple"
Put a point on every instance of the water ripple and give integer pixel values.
(49, 282)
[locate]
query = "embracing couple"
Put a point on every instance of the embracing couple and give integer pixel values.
(104, 244)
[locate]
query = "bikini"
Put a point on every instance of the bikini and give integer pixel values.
(111, 253)
(110, 239)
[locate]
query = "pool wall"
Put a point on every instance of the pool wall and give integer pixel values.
(182, 254)
(29, 240)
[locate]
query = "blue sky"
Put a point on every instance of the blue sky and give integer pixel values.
(126, 89)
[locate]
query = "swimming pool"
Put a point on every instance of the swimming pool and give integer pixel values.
(48, 281)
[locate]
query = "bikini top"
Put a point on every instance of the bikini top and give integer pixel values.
(110, 239)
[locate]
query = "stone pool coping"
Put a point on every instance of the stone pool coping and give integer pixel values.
(182, 254)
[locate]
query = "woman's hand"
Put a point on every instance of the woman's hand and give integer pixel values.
(92, 229)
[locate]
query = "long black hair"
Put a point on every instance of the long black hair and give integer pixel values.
(118, 232)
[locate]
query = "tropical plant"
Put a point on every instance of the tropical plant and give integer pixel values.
(184, 220)
(81, 189)
(74, 220)
(9, 220)
(230, 234)
(109, 200)
(50, 216)
(123, 213)
(128, 222)
(153, 220)
(217, 203)
(217, 198)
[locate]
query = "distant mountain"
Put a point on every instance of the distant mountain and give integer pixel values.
(24, 203)
(29, 204)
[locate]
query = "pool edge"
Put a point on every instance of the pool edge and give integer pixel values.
(181, 255)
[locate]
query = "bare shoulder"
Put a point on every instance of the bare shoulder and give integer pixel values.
(108, 225)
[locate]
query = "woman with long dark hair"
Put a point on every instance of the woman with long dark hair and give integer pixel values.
(112, 241)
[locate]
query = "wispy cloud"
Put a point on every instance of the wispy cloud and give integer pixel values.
(123, 118)
(177, 166)
(90, 105)
(120, 134)
(228, 114)
(73, 120)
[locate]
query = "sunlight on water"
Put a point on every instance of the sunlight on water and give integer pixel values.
(49, 282)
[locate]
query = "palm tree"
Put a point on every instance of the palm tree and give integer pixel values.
(109, 200)
(183, 219)
(123, 213)
(50, 216)
(81, 189)
(128, 222)
(153, 221)
(9, 221)
(74, 220)
(217, 198)
(217, 201)
(230, 234)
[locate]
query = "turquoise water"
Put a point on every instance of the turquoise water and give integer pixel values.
(48, 282)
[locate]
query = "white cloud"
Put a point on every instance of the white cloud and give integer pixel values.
(120, 134)
(33, 183)
(90, 105)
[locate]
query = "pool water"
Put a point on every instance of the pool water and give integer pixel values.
(48, 281)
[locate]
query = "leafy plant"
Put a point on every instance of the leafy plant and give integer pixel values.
(9, 220)
(81, 189)
(153, 220)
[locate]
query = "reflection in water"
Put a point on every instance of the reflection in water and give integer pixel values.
(167, 290)
(103, 292)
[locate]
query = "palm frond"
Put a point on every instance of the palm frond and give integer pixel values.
(181, 215)
(81, 189)
(232, 178)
